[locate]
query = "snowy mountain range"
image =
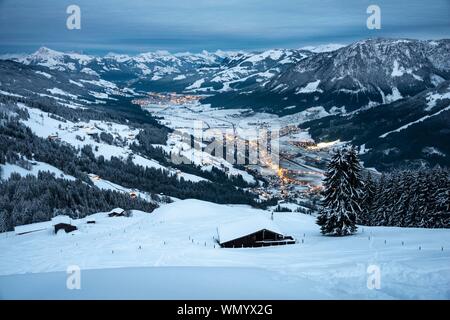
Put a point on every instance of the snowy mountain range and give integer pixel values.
(340, 78)
(400, 85)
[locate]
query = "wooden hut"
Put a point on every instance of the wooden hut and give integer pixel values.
(252, 232)
(63, 223)
(117, 212)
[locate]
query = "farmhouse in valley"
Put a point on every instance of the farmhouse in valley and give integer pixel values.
(253, 232)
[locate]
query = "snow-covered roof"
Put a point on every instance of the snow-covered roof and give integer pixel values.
(33, 227)
(244, 227)
(61, 219)
(117, 210)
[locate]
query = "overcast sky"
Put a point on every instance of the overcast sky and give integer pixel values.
(193, 25)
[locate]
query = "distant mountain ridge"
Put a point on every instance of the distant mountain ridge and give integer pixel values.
(282, 81)
(389, 96)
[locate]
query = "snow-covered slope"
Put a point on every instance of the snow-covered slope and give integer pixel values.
(75, 90)
(35, 167)
(180, 238)
(56, 60)
(80, 134)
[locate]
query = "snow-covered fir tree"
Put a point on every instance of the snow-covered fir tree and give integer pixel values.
(401, 203)
(440, 198)
(410, 198)
(342, 194)
(366, 215)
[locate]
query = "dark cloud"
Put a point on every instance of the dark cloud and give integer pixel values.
(181, 25)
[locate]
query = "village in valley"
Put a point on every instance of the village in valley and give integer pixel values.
(297, 175)
(224, 151)
(192, 233)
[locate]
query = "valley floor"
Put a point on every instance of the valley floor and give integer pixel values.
(172, 253)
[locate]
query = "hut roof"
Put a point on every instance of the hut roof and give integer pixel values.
(33, 227)
(61, 219)
(244, 227)
(117, 210)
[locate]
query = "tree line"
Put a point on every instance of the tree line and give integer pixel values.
(407, 198)
(31, 199)
(18, 145)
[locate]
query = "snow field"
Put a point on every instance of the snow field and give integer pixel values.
(414, 263)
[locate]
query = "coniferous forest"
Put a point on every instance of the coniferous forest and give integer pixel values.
(402, 198)
(44, 196)
(408, 198)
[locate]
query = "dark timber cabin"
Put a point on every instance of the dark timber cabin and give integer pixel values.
(63, 223)
(64, 226)
(254, 232)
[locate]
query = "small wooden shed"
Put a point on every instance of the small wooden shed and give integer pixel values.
(63, 223)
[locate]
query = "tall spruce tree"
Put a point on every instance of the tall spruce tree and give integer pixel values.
(402, 202)
(342, 194)
(439, 195)
(366, 215)
(377, 199)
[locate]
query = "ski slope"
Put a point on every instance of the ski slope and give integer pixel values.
(172, 253)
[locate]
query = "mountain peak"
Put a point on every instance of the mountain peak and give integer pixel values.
(44, 51)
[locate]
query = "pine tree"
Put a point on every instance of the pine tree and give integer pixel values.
(385, 201)
(423, 200)
(391, 210)
(403, 201)
(342, 194)
(439, 197)
(377, 200)
(366, 215)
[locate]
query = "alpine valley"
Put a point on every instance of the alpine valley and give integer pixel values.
(88, 143)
